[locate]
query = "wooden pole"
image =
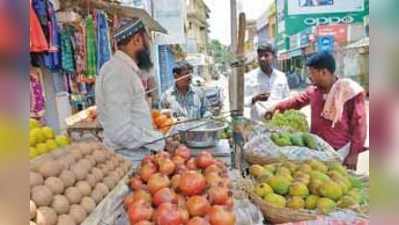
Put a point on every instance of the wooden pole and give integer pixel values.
(233, 46)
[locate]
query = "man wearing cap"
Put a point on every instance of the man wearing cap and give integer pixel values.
(338, 112)
(265, 83)
(120, 96)
(184, 100)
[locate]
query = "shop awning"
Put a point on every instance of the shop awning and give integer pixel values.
(116, 8)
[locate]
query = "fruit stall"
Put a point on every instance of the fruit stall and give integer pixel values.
(263, 173)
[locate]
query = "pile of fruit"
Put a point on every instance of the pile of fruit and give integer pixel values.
(161, 121)
(177, 189)
(65, 190)
(43, 140)
(311, 185)
(300, 139)
(292, 119)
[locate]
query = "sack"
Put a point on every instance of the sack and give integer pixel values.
(261, 150)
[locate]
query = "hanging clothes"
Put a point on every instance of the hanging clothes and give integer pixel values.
(67, 53)
(37, 100)
(40, 7)
(80, 50)
(103, 39)
(38, 42)
(52, 27)
(91, 61)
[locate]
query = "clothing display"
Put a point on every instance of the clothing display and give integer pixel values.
(67, 52)
(37, 100)
(80, 50)
(103, 39)
(38, 42)
(91, 59)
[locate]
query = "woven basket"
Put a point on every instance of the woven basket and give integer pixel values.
(281, 215)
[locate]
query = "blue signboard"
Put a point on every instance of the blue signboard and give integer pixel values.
(325, 43)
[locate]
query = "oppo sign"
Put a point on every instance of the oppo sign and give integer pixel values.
(314, 21)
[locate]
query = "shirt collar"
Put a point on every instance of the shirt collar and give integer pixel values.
(176, 92)
(127, 59)
(260, 72)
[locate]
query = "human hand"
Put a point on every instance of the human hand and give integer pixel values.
(260, 97)
(351, 161)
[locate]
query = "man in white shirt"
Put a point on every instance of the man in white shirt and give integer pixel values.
(120, 96)
(265, 83)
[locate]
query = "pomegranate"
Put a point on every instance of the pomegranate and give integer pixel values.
(178, 160)
(191, 165)
(183, 152)
(176, 181)
(220, 216)
(144, 222)
(198, 206)
(166, 167)
(218, 195)
(141, 195)
(192, 183)
(229, 203)
(213, 168)
(204, 159)
(146, 171)
(167, 214)
(160, 156)
(157, 182)
(213, 179)
(197, 221)
(136, 183)
(128, 200)
(164, 195)
(140, 212)
(147, 159)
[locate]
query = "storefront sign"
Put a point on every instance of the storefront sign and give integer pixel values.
(315, 21)
(339, 31)
(325, 43)
(294, 41)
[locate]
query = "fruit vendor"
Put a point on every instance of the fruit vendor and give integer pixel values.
(338, 113)
(265, 83)
(120, 97)
(184, 100)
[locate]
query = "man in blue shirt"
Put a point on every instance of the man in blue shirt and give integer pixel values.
(183, 99)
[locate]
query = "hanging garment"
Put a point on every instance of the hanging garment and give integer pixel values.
(52, 60)
(37, 100)
(67, 54)
(40, 7)
(91, 63)
(38, 42)
(80, 50)
(103, 39)
(52, 27)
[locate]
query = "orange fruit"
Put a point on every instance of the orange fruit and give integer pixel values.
(166, 124)
(160, 120)
(155, 113)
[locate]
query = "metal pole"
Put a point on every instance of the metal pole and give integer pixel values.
(233, 47)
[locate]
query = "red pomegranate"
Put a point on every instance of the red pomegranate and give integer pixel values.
(192, 183)
(183, 152)
(178, 160)
(204, 159)
(213, 169)
(176, 181)
(166, 167)
(221, 216)
(146, 171)
(139, 212)
(180, 169)
(168, 214)
(185, 216)
(144, 222)
(218, 195)
(164, 195)
(198, 206)
(157, 182)
(136, 183)
(213, 179)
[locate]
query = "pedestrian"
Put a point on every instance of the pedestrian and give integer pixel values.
(264, 83)
(184, 100)
(120, 96)
(338, 113)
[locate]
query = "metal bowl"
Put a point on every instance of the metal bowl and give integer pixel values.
(201, 134)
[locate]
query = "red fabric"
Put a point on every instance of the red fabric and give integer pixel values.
(351, 128)
(38, 42)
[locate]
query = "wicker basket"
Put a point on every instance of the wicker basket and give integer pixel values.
(281, 215)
